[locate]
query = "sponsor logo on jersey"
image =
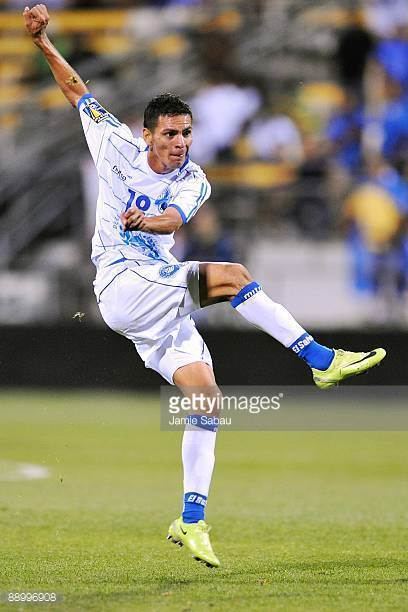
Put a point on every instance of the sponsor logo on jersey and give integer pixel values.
(96, 112)
(119, 173)
(167, 271)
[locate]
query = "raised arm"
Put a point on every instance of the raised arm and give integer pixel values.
(36, 20)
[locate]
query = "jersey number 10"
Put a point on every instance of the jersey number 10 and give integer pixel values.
(142, 202)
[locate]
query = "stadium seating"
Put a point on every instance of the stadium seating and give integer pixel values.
(283, 50)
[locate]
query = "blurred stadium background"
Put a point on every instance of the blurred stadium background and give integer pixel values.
(301, 122)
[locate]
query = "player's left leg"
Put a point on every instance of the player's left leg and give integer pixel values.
(148, 305)
(224, 281)
(198, 463)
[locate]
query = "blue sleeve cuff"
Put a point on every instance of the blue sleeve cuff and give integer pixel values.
(180, 211)
(82, 100)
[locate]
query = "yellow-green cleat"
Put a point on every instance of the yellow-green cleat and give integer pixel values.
(195, 537)
(346, 364)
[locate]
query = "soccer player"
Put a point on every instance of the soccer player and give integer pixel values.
(149, 187)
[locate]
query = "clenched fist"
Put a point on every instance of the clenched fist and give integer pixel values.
(36, 19)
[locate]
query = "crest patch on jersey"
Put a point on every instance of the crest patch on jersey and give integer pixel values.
(163, 200)
(96, 112)
(167, 271)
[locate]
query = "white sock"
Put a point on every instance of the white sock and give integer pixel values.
(257, 308)
(198, 459)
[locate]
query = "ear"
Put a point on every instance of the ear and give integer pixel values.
(148, 136)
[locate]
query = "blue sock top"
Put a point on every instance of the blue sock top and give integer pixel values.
(246, 292)
(194, 507)
(316, 355)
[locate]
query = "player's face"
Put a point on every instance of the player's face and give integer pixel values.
(169, 142)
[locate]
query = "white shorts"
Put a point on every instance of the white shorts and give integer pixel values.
(150, 305)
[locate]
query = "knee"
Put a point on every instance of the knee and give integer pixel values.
(238, 275)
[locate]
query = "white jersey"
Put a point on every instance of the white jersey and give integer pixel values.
(125, 180)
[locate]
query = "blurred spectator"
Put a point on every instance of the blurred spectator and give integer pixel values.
(343, 147)
(104, 4)
(395, 130)
(223, 105)
(354, 46)
(275, 138)
(386, 124)
(343, 135)
(311, 211)
(392, 55)
(166, 3)
(375, 215)
(220, 111)
(51, 4)
(207, 240)
(110, 4)
(385, 17)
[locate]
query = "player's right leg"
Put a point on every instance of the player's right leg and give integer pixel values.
(198, 446)
(223, 281)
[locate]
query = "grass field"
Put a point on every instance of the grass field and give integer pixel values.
(301, 520)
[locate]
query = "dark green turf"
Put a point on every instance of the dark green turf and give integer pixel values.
(301, 520)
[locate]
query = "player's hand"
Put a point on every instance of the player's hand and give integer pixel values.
(132, 219)
(36, 19)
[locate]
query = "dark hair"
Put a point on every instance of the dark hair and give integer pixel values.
(164, 104)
